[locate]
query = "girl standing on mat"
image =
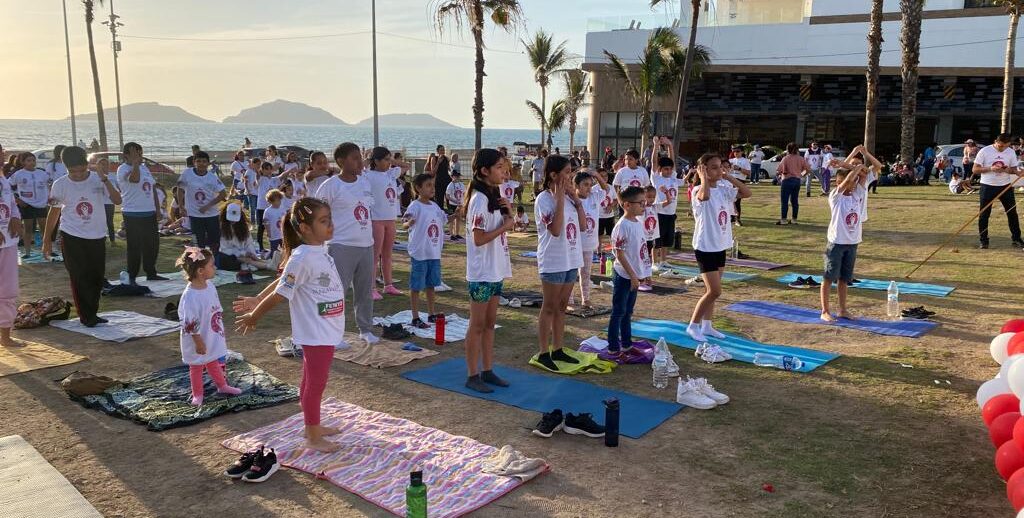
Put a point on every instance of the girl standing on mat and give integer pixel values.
(386, 207)
(488, 218)
(560, 216)
(712, 204)
(316, 304)
(590, 197)
(202, 324)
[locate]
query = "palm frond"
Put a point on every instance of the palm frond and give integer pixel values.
(536, 111)
(619, 69)
(507, 14)
(450, 13)
(576, 82)
(557, 117)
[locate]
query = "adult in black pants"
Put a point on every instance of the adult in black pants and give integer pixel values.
(83, 230)
(442, 176)
(999, 168)
(140, 211)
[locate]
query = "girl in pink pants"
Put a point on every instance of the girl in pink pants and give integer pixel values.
(386, 207)
(10, 229)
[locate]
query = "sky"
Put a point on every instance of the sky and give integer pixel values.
(419, 73)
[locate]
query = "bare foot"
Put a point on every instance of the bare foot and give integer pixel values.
(322, 445)
(12, 342)
(324, 430)
(828, 317)
(846, 315)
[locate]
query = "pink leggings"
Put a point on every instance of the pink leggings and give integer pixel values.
(8, 286)
(316, 364)
(195, 376)
(383, 241)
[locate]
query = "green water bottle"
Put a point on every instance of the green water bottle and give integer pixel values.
(416, 496)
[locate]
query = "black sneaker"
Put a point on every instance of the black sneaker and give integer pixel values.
(171, 312)
(582, 424)
(431, 318)
(419, 324)
(244, 277)
(549, 424)
(156, 278)
(395, 332)
(476, 384)
(491, 378)
(1018, 244)
(101, 320)
(243, 463)
(741, 255)
(263, 467)
(983, 246)
(854, 281)
(800, 283)
(811, 283)
(559, 355)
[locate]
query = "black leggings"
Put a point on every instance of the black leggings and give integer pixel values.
(110, 220)
(143, 244)
(259, 228)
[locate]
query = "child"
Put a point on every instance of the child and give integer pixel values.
(316, 305)
(509, 186)
(665, 204)
(237, 250)
(739, 168)
(33, 194)
(319, 172)
(272, 217)
(200, 193)
(83, 230)
(489, 217)
(425, 222)
(386, 206)
(10, 230)
(288, 190)
(606, 221)
(250, 184)
(267, 182)
(651, 230)
(712, 236)
(453, 195)
(559, 216)
(844, 233)
(632, 263)
(522, 221)
(631, 175)
(202, 325)
(959, 186)
(140, 211)
(590, 197)
(237, 171)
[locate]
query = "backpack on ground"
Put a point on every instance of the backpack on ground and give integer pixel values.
(41, 312)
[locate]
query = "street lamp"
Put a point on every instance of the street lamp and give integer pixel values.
(116, 46)
(373, 22)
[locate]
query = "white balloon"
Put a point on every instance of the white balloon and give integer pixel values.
(991, 389)
(998, 347)
(1015, 378)
(1007, 363)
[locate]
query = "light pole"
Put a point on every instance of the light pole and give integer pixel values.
(373, 22)
(116, 45)
(71, 89)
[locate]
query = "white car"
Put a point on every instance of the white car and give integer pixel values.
(771, 165)
(43, 156)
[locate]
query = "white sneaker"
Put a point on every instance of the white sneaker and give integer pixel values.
(712, 353)
(442, 287)
(695, 280)
(284, 347)
(502, 301)
(656, 268)
(688, 394)
(515, 303)
(705, 388)
(594, 286)
(343, 344)
(607, 284)
(671, 274)
(370, 338)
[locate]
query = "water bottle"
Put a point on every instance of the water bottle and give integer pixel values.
(892, 301)
(784, 362)
(611, 422)
(439, 329)
(416, 496)
(125, 280)
(662, 349)
(735, 249)
(660, 368)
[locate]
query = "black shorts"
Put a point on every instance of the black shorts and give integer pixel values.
(30, 212)
(666, 231)
(605, 226)
(710, 261)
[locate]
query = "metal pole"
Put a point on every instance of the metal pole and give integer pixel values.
(116, 46)
(376, 122)
(71, 89)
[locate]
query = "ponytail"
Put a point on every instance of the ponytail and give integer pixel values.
(484, 159)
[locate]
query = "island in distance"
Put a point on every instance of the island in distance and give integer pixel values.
(145, 112)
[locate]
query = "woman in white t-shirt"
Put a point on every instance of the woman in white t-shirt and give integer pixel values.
(386, 207)
(712, 203)
(590, 197)
(560, 218)
(488, 218)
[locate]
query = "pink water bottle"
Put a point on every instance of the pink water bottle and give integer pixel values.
(439, 329)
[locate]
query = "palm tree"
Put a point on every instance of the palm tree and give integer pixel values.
(545, 59)
(874, 54)
(554, 120)
(1014, 9)
(687, 72)
(910, 40)
(88, 4)
(576, 83)
(506, 14)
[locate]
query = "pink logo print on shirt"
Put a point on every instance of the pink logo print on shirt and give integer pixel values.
(590, 224)
(5, 212)
(433, 232)
(620, 243)
(389, 193)
(200, 196)
(84, 209)
(643, 252)
(606, 202)
(723, 219)
(146, 187)
(478, 222)
(545, 219)
(571, 233)
(509, 192)
(217, 322)
(634, 183)
(649, 223)
(362, 214)
(852, 219)
(672, 192)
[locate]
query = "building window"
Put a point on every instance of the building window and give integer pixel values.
(619, 131)
(968, 4)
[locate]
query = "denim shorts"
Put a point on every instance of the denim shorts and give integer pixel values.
(483, 291)
(839, 261)
(566, 277)
(424, 274)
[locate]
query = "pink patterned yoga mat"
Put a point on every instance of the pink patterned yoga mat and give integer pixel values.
(377, 453)
(746, 263)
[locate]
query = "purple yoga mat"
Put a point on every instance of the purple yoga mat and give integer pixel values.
(746, 263)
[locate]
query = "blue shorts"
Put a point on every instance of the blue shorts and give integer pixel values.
(839, 261)
(483, 291)
(424, 274)
(566, 277)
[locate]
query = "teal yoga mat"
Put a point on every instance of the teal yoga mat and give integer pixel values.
(741, 349)
(909, 328)
(727, 277)
(543, 393)
(913, 288)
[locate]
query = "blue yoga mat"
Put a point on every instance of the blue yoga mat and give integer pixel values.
(741, 349)
(543, 393)
(913, 288)
(727, 277)
(528, 254)
(788, 313)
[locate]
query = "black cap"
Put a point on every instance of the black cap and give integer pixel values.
(416, 478)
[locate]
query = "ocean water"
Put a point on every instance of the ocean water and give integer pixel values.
(166, 140)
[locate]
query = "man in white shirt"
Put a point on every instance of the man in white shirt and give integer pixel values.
(814, 157)
(140, 210)
(538, 172)
(756, 157)
(998, 167)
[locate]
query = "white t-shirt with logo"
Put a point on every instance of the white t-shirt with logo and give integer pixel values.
(137, 196)
(592, 211)
(82, 213)
(743, 163)
(386, 205)
(426, 235)
(628, 236)
(33, 187)
(508, 190)
(668, 190)
(8, 210)
(813, 158)
(56, 170)
(538, 170)
(989, 156)
(237, 170)
(200, 313)
(561, 253)
(266, 184)
(712, 229)
(199, 191)
(351, 203)
(650, 222)
(316, 298)
(490, 262)
(455, 192)
(845, 226)
(756, 156)
(627, 177)
(608, 204)
(250, 181)
(272, 219)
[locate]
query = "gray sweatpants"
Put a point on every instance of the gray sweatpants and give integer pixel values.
(355, 267)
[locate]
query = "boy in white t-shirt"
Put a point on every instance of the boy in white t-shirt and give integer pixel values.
(425, 222)
(844, 234)
(272, 217)
(522, 221)
(632, 263)
(454, 195)
(666, 201)
(651, 231)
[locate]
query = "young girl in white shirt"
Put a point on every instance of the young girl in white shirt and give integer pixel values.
(712, 203)
(454, 195)
(590, 197)
(386, 207)
(202, 325)
(316, 304)
(559, 216)
(488, 218)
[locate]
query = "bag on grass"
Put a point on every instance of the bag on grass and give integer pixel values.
(41, 312)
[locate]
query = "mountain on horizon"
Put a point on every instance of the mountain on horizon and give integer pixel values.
(408, 120)
(285, 112)
(145, 112)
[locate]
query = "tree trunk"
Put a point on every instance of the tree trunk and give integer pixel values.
(1011, 43)
(478, 102)
(543, 112)
(645, 125)
(677, 123)
(874, 54)
(910, 39)
(95, 78)
(572, 131)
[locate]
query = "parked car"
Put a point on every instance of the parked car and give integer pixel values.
(954, 152)
(43, 156)
(114, 158)
(300, 152)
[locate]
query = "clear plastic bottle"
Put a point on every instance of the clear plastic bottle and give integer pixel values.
(892, 301)
(672, 366)
(786, 363)
(660, 368)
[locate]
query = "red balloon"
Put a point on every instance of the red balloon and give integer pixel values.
(1013, 326)
(1015, 345)
(998, 406)
(1017, 496)
(1017, 479)
(1001, 429)
(1009, 458)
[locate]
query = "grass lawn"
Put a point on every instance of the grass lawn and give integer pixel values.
(877, 432)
